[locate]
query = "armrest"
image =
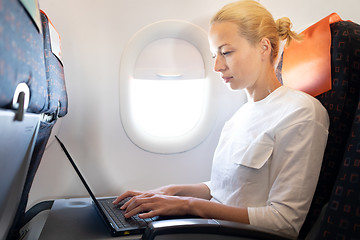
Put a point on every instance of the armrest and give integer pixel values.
(204, 228)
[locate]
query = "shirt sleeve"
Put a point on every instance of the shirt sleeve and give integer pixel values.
(294, 170)
(207, 184)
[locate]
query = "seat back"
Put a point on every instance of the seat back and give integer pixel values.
(57, 106)
(22, 86)
(342, 215)
(26, 59)
(21, 57)
(17, 140)
(341, 103)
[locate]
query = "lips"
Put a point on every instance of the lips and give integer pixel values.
(226, 79)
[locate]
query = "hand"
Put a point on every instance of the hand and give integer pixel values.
(167, 190)
(128, 194)
(155, 205)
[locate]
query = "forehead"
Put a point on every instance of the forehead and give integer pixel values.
(224, 27)
(223, 33)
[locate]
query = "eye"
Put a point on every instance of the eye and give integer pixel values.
(226, 53)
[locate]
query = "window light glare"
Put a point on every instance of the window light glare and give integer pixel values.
(167, 108)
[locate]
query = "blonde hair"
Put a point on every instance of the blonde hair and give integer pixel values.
(256, 23)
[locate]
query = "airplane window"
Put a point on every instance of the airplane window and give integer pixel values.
(165, 102)
(167, 92)
(167, 108)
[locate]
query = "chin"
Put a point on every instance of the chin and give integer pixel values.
(234, 88)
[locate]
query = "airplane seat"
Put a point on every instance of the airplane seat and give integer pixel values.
(341, 103)
(58, 102)
(341, 218)
(22, 97)
(31, 71)
(334, 211)
(57, 106)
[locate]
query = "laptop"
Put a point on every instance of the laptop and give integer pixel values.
(113, 217)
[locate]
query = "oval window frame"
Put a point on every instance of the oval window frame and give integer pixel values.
(167, 29)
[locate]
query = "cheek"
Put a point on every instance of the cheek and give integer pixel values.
(252, 64)
(244, 65)
(242, 69)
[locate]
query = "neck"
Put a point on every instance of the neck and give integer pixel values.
(263, 88)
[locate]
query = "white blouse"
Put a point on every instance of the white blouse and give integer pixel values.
(268, 159)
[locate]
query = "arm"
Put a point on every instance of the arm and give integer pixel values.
(164, 205)
(208, 209)
(189, 199)
(299, 153)
(199, 190)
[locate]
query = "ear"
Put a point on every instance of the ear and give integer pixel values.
(265, 47)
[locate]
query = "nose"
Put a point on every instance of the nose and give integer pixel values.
(219, 65)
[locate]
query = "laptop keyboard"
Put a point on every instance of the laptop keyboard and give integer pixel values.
(118, 215)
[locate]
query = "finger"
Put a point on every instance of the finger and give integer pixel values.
(140, 203)
(127, 203)
(120, 198)
(125, 195)
(133, 203)
(149, 214)
(141, 208)
(134, 197)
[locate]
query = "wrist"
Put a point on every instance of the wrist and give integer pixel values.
(170, 190)
(193, 207)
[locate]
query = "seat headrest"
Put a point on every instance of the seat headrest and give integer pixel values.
(307, 64)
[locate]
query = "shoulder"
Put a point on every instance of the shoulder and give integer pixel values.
(304, 106)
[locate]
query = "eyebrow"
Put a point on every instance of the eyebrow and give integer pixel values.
(220, 47)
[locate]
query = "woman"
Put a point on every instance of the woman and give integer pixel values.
(267, 162)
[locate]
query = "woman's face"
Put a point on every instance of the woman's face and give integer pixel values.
(236, 59)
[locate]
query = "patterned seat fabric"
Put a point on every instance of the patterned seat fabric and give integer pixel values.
(342, 216)
(54, 74)
(341, 102)
(26, 56)
(21, 57)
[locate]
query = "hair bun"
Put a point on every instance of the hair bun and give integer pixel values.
(284, 26)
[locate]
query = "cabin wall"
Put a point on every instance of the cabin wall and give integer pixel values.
(94, 34)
